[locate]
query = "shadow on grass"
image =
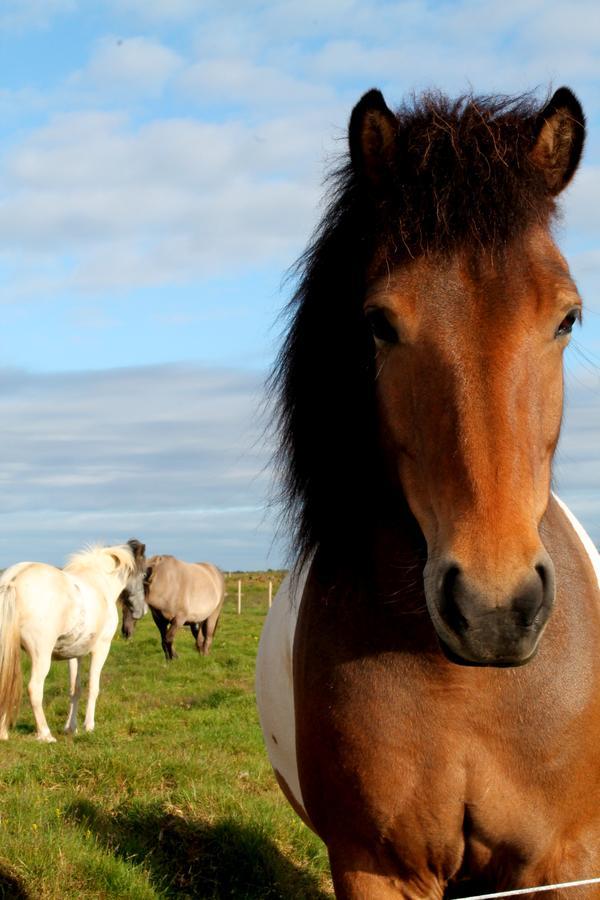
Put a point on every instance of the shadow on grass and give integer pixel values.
(196, 859)
(24, 728)
(11, 887)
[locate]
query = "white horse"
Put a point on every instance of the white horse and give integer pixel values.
(63, 614)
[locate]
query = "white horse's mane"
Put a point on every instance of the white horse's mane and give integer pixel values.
(97, 557)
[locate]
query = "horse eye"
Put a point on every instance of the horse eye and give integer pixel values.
(566, 326)
(381, 327)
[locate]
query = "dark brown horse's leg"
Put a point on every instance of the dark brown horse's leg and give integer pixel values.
(199, 635)
(162, 624)
(207, 636)
(206, 641)
(172, 630)
(197, 631)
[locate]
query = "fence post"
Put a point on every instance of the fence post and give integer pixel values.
(239, 596)
(270, 593)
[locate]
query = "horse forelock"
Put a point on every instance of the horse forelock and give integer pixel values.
(460, 177)
(462, 171)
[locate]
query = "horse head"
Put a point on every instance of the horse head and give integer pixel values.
(132, 596)
(127, 620)
(468, 332)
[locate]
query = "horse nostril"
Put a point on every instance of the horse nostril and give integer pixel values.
(533, 598)
(544, 574)
(449, 608)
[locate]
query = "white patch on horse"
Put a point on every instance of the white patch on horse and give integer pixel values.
(275, 680)
(583, 536)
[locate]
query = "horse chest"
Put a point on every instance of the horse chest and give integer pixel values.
(455, 769)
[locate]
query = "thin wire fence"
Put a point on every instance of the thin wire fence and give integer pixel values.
(535, 890)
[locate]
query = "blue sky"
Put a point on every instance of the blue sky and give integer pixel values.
(161, 164)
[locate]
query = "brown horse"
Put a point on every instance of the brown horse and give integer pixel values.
(180, 593)
(429, 680)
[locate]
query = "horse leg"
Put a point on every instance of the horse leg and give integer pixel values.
(208, 629)
(74, 694)
(207, 636)
(40, 666)
(172, 630)
(199, 634)
(162, 624)
(359, 874)
(195, 629)
(99, 654)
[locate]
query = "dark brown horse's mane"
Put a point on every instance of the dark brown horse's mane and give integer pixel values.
(460, 175)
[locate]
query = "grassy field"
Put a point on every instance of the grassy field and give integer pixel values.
(172, 796)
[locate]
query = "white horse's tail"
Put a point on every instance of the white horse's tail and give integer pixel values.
(11, 679)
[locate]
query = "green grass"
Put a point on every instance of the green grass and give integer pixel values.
(172, 796)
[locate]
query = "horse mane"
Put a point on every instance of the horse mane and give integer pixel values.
(97, 557)
(461, 176)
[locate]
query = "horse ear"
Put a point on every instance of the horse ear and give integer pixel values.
(138, 549)
(559, 137)
(148, 574)
(372, 137)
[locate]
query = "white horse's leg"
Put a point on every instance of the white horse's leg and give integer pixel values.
(74, 694)
(99, 654)
(40, 666)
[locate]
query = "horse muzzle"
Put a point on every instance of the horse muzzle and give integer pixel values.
(490, 628)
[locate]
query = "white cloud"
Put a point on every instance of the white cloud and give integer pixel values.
(170, 199)
(242, 82)
(137, 65)
(21, 14)
(14, 103)
(157, 10)
(172, 454)
(582, 201)
(134, 200)
(414, 44)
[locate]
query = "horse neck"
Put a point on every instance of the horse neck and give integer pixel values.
(387, 559)
(108, 584)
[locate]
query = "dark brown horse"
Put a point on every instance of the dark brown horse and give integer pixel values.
(429, 681)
